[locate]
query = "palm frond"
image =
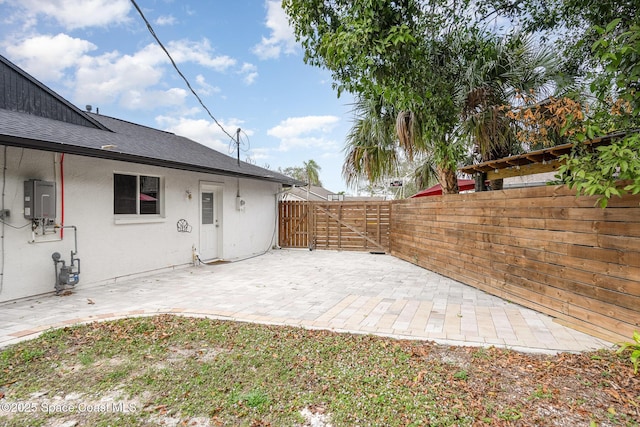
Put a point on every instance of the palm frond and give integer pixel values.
(371, 146)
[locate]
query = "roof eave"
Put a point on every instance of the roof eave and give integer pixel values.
(129, 158)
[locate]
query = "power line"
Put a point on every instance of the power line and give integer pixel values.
(153, 33)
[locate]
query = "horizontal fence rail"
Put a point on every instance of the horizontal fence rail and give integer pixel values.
(541, 247)
(357, 226)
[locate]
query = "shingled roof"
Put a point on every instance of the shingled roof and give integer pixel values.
(51, 123)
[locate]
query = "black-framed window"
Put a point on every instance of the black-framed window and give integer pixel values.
(136, 194)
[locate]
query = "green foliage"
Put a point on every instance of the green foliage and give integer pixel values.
(86, 358)
(541, 392)
(29, 355)
(569, 22)
(433, 66)
(254, 398)
(616, 86)
(634, 348)
(309, 172)
(461, 375)
(312, 172)
(295, 172)
(361, 43)
(611, 170)
(600, 172)
(404, 56)
(506, 72)
(236, 373)
(371, 147)
(53, 334)
(510, 414)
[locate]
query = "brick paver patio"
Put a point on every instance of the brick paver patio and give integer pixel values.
(344, 291)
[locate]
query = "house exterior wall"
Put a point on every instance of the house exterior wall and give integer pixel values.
(111, 247)
(529, 180)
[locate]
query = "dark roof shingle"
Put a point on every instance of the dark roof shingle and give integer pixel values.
(110, 138)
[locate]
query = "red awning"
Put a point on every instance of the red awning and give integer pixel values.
(436, 190)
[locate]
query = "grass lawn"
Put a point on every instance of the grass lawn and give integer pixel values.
(171, 370)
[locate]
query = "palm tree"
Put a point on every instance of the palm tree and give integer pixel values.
(371, 145)
(430, 123)
(478, 78)
(442, 152)
(425, 174)
(509, 66)
(312, 173)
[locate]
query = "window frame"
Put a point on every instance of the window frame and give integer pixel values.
(138, 217)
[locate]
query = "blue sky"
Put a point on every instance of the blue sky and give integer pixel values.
(240, 56)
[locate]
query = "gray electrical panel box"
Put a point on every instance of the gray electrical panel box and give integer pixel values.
(39, 199)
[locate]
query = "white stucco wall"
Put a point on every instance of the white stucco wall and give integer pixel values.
(109, 249)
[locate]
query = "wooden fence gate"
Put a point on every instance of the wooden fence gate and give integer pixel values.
(356, 226)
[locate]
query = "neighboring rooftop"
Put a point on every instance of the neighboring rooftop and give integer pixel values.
(314, 194)
(534, 162)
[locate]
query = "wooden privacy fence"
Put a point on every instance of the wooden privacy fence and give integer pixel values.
(540, 247)
(359, 226)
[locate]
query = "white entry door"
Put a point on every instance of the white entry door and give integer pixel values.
(209, 222)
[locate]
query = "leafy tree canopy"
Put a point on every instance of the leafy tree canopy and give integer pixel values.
(424, 60)
(309, 172)
(569, 22)
(376, 48)
(616, 87)
(405, 55)
(295, 172)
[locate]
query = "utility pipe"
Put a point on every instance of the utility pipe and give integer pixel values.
(62, 196)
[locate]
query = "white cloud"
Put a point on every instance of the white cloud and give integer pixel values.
(47, 57)
(205, 88)
(250, 73)
(166, 20)
(281, 38)
(200, 53)
(206, 132)
(135, 81)
(74, 14)
(296, 126)
(309, 131)
(260, 154)
(114, 77)
(149, 100)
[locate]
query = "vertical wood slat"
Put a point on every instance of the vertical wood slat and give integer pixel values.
(339, 228)
(327, 237)
(366, 226)
(378, 222)
(293, 225)
(334, 225)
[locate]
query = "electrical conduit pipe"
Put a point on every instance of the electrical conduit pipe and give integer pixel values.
(62, 196)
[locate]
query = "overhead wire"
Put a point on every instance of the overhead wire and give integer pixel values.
(175, 66)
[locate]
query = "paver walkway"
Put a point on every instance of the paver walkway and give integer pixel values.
(345, 291)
